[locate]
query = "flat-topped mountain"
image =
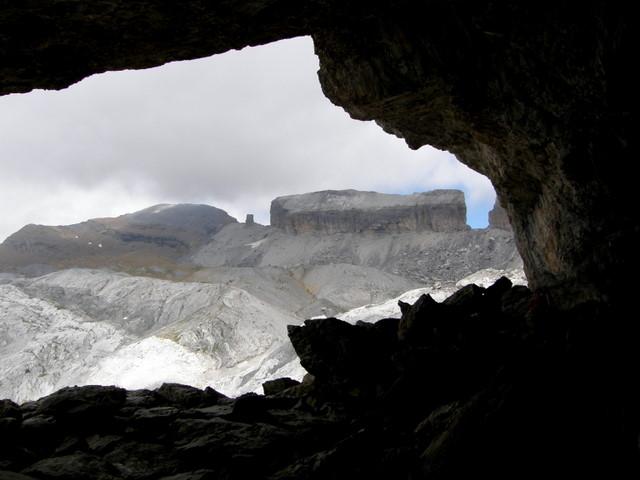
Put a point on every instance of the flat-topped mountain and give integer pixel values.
(352, 211)
(423, 237)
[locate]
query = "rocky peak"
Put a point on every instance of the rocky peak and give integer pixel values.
(159, 232)
(353, 211)
(498, 217)
(203, 219)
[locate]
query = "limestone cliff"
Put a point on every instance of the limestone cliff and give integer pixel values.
(352, 211)
(498, 217)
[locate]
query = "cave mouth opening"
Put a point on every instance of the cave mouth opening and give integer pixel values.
(234, 130)
(536, 96)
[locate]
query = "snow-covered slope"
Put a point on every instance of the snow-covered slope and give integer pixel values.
(89, 326)
(79, 326)
(44, 347)
(390, 308)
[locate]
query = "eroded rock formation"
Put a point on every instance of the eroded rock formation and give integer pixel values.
(533, 94)
(498, 217)
(351, 211)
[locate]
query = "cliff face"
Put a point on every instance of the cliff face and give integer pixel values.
(498, 217)
(351, 211)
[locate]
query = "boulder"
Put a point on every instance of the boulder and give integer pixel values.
(273, 387)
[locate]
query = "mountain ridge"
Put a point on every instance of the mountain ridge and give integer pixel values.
(174, 241)
(186, 293)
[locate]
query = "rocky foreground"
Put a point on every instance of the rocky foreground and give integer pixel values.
(490, 382)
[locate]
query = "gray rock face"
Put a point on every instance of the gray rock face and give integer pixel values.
(352, 211)
(498, 217)
(157, 235)
(424, 257)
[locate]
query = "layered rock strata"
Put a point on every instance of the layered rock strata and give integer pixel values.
(352, 211)
(157, 236)
(498, 217)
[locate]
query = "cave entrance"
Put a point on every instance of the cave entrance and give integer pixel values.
(164, 289)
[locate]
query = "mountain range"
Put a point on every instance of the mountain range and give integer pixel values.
(186, 293)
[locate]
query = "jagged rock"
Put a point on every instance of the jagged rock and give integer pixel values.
(415, 318)
(9, 409)
(340, 354)
(187, 396)
(496, 397)
(80, 403)
(498, 217)
(273, 387)
(466, 299)
(351, 211)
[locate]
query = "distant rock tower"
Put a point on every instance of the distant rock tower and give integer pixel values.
(249, 220)
(498, 217)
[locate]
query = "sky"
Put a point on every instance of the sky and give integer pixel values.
(233, 130)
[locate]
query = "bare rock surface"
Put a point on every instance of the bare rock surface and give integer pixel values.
(155, 238)
(352, 211)
(423, 257)
(498, 217)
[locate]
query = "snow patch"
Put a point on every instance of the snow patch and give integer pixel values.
(256, 244)
(162, 208)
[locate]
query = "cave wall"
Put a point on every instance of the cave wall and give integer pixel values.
(535, 95)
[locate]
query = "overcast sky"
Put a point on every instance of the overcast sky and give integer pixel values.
(234, 131)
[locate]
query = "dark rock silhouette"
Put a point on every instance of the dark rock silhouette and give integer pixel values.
(490, 383)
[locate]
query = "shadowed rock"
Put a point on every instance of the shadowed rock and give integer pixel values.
(491, 385)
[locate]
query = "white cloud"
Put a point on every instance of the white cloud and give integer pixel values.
(234, 130)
